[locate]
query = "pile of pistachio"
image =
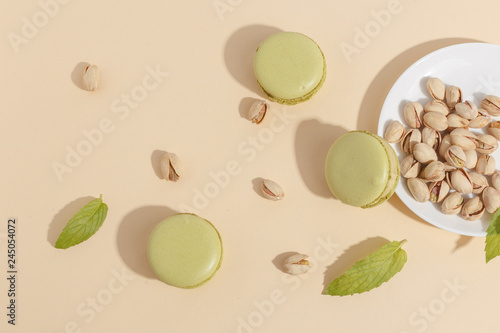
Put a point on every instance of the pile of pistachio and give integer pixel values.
(448, 163)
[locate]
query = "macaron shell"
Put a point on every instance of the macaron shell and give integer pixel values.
(185, 250)
(393, 176)
(360, 170)
(290, 67)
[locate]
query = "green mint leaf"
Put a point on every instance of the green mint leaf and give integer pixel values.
(370, 272)
(492, 247)
(83, 224)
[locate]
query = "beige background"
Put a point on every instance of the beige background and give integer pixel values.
(197, 112)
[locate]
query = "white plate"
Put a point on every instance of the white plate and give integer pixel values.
(475, 68)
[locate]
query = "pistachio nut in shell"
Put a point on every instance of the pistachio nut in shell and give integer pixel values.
(413, 114)
(418, 189)
(171, 167)
(479, 182)
(431, 137)
(453, 96)
(410, 139)
(491, 104)
(473, 209)
(460, 181)
(437, 106)
(436, 121)
(482, 120)
(433, 172)
(455, 121)
(486, 144)
(494, 129)
(467, 110)
(258, 111)
(452, 204)
(491, 199)
(463, 138)
(495, 180)
(436, 88)
(424, 153)
(455, 156)
(470, 159)
(486, 165)
(394, 132)
(271, 190)
(91, 78)
(410, 167)
(438, 191)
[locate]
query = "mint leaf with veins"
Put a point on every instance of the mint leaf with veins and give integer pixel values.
(83, 224)
(492, 247)
(371, 272)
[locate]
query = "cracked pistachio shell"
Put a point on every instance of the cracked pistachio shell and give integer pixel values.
(463, 138)
(297, 264)
(471, 159)
(91, 78)
(413, 114)
(479, 182)
(491, 104)
(453, 96)
(455, 156)
(495, 180)
(438, 191)
(486, 144)
(424, 153)
(437, 106)
(410, 139)
(436, 88)
(171, 167)
(433, 172)
(258, 111)
(431, 137)
(473, 209)
(494, 129)
(418, 189)
(435, 120)
(466, 110)
(482, 119)
(452, 204)
(271, 190)
(455, 121)
(410, 168)
(460, 181)
(486, 165)
(445, 144)
(394, 132)
(491, 199)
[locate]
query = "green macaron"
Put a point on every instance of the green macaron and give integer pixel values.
(289, 67)
(362, 169)
(185, 250)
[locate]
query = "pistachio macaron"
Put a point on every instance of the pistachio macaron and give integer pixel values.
(362, 169)
(290, 67)
(185, 250)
